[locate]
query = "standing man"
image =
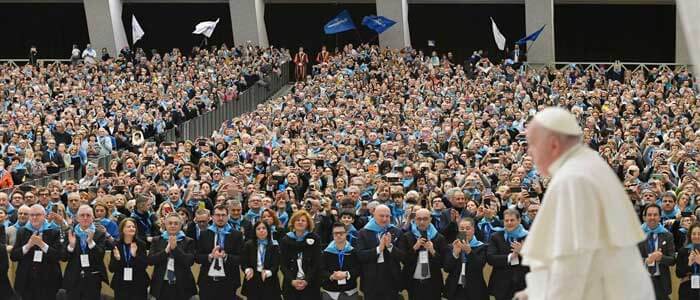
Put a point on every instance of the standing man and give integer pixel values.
(300, 61)
(379, 257)
(658, 251)
(37, 250)
(218, 253)
(424, 247)
(503, 253)
(597, 230)
(85, 255)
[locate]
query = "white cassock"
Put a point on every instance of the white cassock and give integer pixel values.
(583, 242)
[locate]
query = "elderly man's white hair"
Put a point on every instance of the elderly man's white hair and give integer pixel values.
(85, 208)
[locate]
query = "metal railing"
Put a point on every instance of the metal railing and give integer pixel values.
(247, 101)
(606, 66)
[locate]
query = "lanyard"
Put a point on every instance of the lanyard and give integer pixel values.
(261, 255)
(220, 237)
(341, 259)
(696, 269)
(651, 243)
(127, 254)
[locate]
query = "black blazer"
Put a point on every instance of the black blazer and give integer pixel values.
(184, 259)
(665, 242)
(505, 279)
(232, 246)
(246, 228)
(475, 283)
(330, 264)
(5, 287)
(255, 288)
(683, 270)
(57, 159)
(47, 271)
(71, 276)
(311, 262)
(376, 276)
(138, 263)
(410, 260)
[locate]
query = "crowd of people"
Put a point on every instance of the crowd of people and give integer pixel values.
(385, 165)
(61, 116)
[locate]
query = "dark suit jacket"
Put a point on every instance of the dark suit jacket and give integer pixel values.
(505, 279)
(255, 287)
(410, 260)
(48, 271)
(57, 159)
(311, 262)
(475, 283)
(232, 246)
(330, 264)
(138, 263)
(184, 259)
(71, 276)
(665, 242)
(5, 287)
(378, 277)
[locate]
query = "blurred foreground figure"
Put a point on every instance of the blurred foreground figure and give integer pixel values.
(583, 244)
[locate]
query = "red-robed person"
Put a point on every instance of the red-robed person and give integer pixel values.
(323, 57)
(300, 61)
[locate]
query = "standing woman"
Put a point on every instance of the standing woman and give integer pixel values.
(260, 261)
(270, 218)
(688, 265)
(172, 255)
(300, 259)
(128, 263)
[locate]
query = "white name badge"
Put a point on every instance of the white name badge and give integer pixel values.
(38, 256)
(423, 257)
(342, 282)
(171, 264)
(84, 260)
(695, 282)
(260, 269)
(128, 274)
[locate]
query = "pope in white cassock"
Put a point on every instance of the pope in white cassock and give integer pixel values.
(583, 243)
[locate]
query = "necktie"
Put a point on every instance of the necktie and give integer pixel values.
(651, 244)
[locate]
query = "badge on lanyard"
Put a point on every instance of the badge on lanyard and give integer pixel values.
(128, 274)
(171, 264)
(38, 256)
(84, 260)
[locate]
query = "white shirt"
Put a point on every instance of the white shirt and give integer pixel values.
(583, 243)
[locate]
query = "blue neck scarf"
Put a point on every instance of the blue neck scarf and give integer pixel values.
(143, 219)
(293, 235)
(487, 228)
(177, 204)
(516, 234)
(432, 232)
(283, 217)
(221, 233)
(235, 223)
(659, 229)
(692, 246)
(179, 236)
(44, 226)
(670, 215)
(253, 216)
(373, 226)
(333, 249)
(352, 233)
(83, 235)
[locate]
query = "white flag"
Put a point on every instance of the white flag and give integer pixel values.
(497, 36)
(206, 28)
(136, 30)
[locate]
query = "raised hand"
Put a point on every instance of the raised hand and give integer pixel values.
(115, 252)
(71, 239)
(134, 248)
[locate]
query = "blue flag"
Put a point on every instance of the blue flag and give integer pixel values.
(531, 37)
(378, 23)
(342, 22)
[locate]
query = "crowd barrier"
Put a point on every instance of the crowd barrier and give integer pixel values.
(607, 66)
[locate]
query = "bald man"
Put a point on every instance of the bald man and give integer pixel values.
(583, 243)
(424, 247)
(379, 259)
(37, 251)
(85, 250)
(22, 219)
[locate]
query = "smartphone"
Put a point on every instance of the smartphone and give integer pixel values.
(423, 233)
(515, 189)
(258, 149)
(686, 214)
(494, 160)
(657, 176)
(462, 236)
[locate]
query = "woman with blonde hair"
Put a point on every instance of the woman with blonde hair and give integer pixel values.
(300, 259)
